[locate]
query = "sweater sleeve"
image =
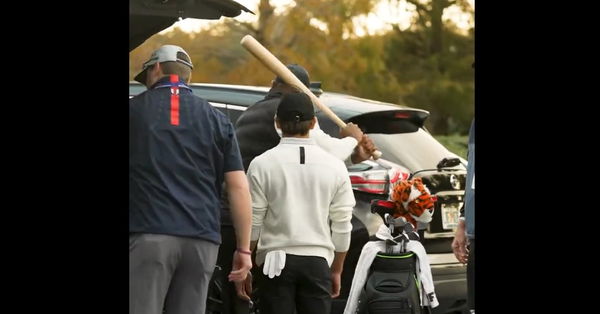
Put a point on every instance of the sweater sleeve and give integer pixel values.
(340, 213)
(341, 148)
(259, 201)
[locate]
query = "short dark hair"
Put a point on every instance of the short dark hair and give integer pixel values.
(295, 128)
(178, 68)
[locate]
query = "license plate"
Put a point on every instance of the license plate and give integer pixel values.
(450, 214)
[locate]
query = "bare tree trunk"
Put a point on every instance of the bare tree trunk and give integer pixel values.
(437, 9)
(265, 12)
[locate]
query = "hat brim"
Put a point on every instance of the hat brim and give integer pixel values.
(141, 77)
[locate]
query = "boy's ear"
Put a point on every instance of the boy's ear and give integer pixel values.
(313, 122)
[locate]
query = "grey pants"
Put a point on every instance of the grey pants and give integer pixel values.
(170, 273)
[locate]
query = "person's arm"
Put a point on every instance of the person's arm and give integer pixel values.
(341, 148)
(340, 213)
(459, 244)
(239, 201)
(336, 273)
(363, 150)
(259, 201)
(352, 130)
(259, 211)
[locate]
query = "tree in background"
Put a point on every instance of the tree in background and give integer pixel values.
(426, 66)
(432, 62)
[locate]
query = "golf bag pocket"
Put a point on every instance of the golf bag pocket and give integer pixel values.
(392, 286)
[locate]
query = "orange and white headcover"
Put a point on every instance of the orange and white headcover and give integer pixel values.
(413, 201)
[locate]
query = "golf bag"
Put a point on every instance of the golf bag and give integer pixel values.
(392, 285)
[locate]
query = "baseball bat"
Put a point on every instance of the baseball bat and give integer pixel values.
(272, 63)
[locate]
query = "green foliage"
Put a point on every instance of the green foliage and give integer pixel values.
(433, 66)
(426, 66)
(457, 144)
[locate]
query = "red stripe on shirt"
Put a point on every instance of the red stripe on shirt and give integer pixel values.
(174, 100)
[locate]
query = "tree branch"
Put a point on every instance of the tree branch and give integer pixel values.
(422, 20)
(244, 26)
(419, 5)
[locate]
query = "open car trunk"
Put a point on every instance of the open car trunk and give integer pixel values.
(148, 17)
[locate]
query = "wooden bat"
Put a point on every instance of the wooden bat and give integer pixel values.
(279, 69)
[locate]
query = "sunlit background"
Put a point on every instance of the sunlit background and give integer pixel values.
(384, 14)
(417, 53)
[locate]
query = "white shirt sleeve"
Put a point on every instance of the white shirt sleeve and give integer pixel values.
(259, 202)
(341, 148)
(340, 213)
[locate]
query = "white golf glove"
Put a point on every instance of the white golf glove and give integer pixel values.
(274, 263)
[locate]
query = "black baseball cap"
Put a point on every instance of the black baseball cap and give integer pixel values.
(295, 107)
(299, 72)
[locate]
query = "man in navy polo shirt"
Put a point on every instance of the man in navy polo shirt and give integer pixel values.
(181, 150)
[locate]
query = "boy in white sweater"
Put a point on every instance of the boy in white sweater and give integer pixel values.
(302, 204)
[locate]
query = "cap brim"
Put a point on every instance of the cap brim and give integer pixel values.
(141, 77)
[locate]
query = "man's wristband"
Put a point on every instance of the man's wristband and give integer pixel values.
(244, 251)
